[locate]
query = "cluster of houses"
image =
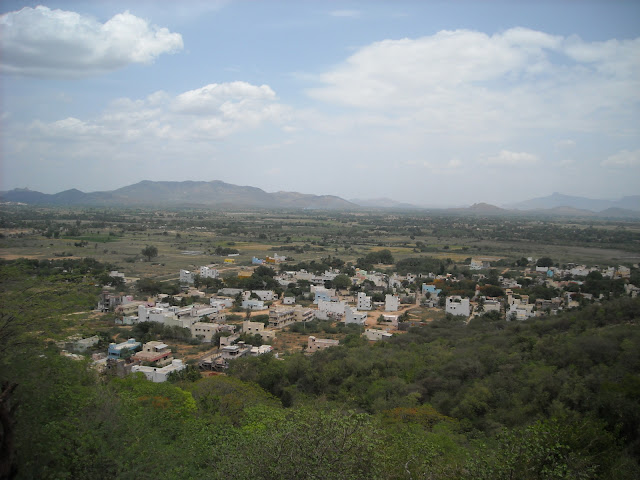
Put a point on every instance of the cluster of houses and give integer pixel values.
(517, 306)
(208, 322)
(268, 260)
(330, 305)
(153, 359)
(205, 271)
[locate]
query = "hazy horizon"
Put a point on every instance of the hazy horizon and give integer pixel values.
(425, 103)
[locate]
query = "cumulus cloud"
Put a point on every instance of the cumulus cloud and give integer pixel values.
(511, 159)
(624, 158)
(44, 42)
(220, 97)
(221, 109)
(469, 81)
(149, 137)
(392, 72)
(212, 112)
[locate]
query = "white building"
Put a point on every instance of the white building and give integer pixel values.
(353, 316)
(395, 281)
(623, 272)
(257, 328)
(204, 331)
(314, 344)
(159, 374)
(231, 352)
(156, 314)
(207, 272)
(327, 310)
(252, 304)
(288, 300)
(186, 276)
(581, 271)
(491, 306)
(280, 317)
(217, 306)
(265, 295)
(198, 311)
(323, 294)
(376, 335)
(325, 277)
(364, 302)
(520, 311)
(300, 275)
(126, 320)
(221, 302)
(261, 350)
(391, 303)
(389, 320)
(457, 305)
(475, 264)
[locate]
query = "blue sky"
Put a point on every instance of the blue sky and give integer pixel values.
(432, 103)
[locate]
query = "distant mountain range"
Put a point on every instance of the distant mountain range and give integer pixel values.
(189, 193)
(557, 200)
(225, 195)
(383, 203)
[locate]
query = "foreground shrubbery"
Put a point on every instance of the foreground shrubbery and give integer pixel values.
(553, 398)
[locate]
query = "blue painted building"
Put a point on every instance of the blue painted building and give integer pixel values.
(430, 289)
(117, 349)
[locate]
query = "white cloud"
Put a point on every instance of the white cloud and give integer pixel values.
(212, 112)
(511, 159)
(44, 42)
(624, 158)
(215, 98)
(345, 13)
(149, 138)
(470, 82)
(403, 72)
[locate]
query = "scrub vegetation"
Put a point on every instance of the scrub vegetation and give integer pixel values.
(556, 397)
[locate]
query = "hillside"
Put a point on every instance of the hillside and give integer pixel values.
(486, 400)
(225, 195)
(192, 193)
(581, 203)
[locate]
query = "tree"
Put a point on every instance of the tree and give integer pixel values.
(492, 291)
(544, 262)
(149, 285)
(481, 304)
(341, 282)
(237, 302)
(150, 251)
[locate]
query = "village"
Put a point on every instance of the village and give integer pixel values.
(376, 305)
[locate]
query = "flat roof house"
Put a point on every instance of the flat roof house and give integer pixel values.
(117, 350)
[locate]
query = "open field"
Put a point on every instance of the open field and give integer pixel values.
(189, 238)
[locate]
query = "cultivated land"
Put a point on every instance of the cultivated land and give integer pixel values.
(483, 397)
(117, 237)
(188, 238)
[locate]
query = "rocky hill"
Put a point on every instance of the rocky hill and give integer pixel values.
(194, 193)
